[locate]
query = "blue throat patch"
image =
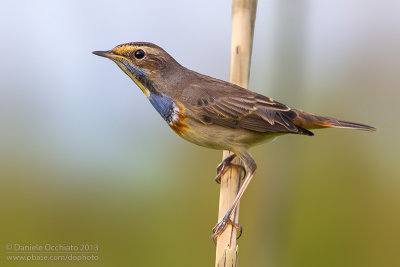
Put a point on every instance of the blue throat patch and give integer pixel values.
(136, 71)
(164, 105)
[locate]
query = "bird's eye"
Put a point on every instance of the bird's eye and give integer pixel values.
(139, 54)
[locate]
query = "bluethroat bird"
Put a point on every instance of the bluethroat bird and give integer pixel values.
(211, 112)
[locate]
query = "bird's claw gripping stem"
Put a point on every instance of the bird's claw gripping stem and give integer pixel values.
(220, 227)
(223, 167)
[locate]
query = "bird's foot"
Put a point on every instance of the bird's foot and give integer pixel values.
(223, 167)
(220, 227)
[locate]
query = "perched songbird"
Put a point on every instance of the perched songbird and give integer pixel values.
(211, 112)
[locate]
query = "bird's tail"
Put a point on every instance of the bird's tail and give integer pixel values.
(311, 121)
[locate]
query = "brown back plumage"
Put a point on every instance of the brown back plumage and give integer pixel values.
(214, 101)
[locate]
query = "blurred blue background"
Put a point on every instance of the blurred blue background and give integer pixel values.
(86, 159)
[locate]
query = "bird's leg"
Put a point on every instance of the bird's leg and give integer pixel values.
(250, 166)
(227, 162)
(220, 227)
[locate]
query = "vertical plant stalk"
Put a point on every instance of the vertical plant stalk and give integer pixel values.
(243, 18)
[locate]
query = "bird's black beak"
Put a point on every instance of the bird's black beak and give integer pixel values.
(108, 54)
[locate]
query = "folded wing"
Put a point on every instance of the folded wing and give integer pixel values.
(245, 109)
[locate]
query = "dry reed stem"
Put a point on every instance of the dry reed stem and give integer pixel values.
(243, 18)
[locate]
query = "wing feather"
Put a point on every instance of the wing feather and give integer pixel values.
(225, 104)
(248, 113)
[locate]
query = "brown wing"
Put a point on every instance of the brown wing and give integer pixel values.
(235, 107)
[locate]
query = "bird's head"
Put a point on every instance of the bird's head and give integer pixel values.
(145, 63)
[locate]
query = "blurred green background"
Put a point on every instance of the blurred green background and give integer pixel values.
(86, 159)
